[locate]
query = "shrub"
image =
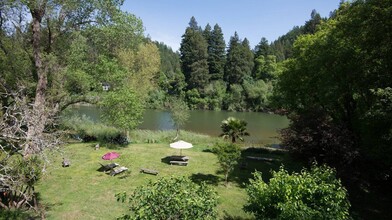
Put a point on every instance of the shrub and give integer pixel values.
(171, 198)
(228, 156)
(314, 194)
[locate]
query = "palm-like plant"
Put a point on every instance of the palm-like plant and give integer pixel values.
(234, 128)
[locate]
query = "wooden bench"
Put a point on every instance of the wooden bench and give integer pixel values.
(108, 167)
(181, 163)
(148, 171)
(179, 158)
(118, 170)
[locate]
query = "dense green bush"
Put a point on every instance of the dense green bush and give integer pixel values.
(171, 198)
(314, 194)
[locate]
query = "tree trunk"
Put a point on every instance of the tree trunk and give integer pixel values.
(38, 116)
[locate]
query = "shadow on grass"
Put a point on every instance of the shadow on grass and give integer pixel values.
(207, 178)
(208, 150)
(272, 160)
(109, 146)
(166, 160)
(230, 217)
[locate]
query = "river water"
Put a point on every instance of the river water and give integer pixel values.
(263, 128)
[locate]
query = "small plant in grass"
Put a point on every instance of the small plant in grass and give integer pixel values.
(228, 156)
(314, 194)
(171, 198)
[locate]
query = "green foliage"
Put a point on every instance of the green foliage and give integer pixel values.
(266, 67)
(216, 53)
(18, 177)
(78, 82)
(338, 68)
(215, 93)
(143, 136)
(194, 100)
(315, 136)
(235, 98)
(257, 94)
(171, 198)
(194, 56)
(314, 194)
(88, 130)
(179, 113)
(106, 39)
(239, 63)
(142, 68)
(228, 156)
(122, 108)
(234, 129)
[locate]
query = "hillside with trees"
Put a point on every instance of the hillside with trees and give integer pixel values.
(210, 74)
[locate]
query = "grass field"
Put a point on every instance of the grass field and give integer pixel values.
(82, 192)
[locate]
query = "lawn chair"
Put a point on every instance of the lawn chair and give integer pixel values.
(107, 167)
(118, 170)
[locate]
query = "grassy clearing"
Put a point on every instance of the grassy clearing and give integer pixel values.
(82, 192)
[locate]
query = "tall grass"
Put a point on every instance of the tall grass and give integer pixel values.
(167, 136)
(85, 129)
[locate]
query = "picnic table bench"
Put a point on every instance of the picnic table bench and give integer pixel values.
(108, 167)
(148, 171)
(118, 170)
(179, 158)
(181, 163)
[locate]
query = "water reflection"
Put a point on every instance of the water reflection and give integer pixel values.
(261, 126)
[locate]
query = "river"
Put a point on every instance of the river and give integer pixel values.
(261, 126)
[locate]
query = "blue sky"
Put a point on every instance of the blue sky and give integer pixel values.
(166, 20)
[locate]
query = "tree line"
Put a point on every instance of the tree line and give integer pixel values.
(208, 74)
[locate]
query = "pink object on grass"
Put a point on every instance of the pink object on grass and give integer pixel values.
(110, 156)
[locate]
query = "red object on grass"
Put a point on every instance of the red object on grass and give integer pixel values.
(110, 156)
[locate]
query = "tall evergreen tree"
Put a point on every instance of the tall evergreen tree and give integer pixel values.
(216, 53)
(310, 26)
(194, 56)
(193, 24)
(207, 35)
(263, 48)
(239, 60)
(247, 55)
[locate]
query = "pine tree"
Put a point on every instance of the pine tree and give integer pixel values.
(216, 53)
(194, 56)
(248, 57)
(263, 48)
(239, 60)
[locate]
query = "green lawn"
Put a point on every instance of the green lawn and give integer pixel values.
(82, 192)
